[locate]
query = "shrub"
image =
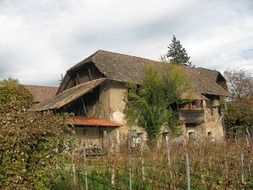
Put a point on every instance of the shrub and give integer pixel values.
(14, 97)
(34, 147)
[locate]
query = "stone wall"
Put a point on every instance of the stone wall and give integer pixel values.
(211, 128)
(112, 100)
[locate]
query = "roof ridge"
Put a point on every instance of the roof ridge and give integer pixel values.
(42, 86)
(124, 54)
(93, 56)
(84, 60)
(214, 70)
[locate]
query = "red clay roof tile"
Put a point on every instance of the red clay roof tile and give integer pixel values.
(78, 120)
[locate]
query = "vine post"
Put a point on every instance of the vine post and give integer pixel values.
(168, 155)
(242, 166)
(187, 162)
(85, 166)
(142, 160)
(129, 158)
(74, 169)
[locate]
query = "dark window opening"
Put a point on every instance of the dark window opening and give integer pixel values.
(191, 135)
(82, 105)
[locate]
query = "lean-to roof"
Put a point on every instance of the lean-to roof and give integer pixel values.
(68, 95)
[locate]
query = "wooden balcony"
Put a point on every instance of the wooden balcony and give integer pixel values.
(191, 116)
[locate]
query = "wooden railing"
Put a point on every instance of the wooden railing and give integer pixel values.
(191, 116)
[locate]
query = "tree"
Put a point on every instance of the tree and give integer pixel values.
(177, 54)
(34, 147)
(240, 83)
(238, 115)
(240, 111)
(149, 105)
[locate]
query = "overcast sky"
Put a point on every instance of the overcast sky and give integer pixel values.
(40, 40)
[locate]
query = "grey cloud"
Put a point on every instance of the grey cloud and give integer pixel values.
(9, 62)
(248, 53)
(54, 35)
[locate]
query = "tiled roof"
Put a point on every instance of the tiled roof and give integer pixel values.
(41, 93)
(205, 82)
(126, 68)
(91, 122)
(118, 67)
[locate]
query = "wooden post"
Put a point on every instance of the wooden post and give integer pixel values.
(247, 136)
(111, 156)
(74, 169)
(84, 107)
(168, 155)
(242, 165)
(113, 174)
(187, 162)
(247, 140)
(129, 160)
(77, 78)
(226, 168)
(85, 167)
(105, 141)
(89, 74)
(201, 163)
(142, 161)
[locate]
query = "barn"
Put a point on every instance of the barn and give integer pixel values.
(94, 89)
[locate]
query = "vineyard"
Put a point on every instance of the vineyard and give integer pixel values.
(191, 165)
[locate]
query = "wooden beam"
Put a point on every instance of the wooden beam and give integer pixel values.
(84, 107)
(89, 74)
(77, 78)
(64, 83)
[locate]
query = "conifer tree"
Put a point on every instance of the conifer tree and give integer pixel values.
(177, 54)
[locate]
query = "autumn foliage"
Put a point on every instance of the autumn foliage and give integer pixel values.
(238, 115)
(34, 147)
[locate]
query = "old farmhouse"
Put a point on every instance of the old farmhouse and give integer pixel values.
(94, 91)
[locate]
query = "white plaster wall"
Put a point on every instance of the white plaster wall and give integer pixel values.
(117, 93)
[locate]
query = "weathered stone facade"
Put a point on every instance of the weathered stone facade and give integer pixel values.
(210, 127)
(97, 86)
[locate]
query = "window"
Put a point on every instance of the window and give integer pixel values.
(191, 135)
(210, 135)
